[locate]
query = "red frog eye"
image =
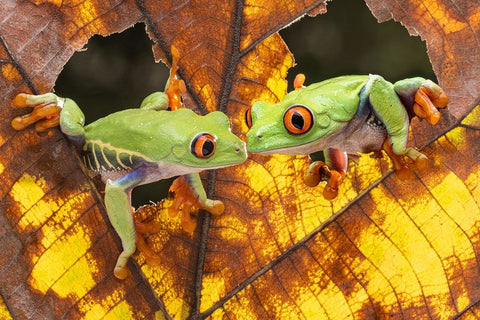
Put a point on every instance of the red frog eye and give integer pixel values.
(203, 146)
(248, 117)
(298, 119)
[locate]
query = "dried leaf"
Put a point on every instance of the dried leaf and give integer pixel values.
(383, 249)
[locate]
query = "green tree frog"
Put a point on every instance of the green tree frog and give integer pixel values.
(344, 116)
(139, 146)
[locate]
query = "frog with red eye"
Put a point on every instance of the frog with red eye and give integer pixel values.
(344, 116)
(132, 147)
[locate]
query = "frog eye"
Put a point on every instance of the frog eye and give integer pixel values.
(298, 119)
(203, 146)
(248, 117)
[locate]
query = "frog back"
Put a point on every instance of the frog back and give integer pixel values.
(339, 97)
(126, 138)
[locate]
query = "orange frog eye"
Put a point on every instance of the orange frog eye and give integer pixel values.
(298, 119)
(248, 117)
(203, 146)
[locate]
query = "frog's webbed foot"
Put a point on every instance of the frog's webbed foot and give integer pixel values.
(333, 171)
(428, 98)
(402, 168)
(318, 172)
(45, 114)
(175, 86)
(188, 201)
(147, 227)
(299, 81)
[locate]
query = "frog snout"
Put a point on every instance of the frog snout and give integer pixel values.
(251, 136)
(254, 140)
(241, 150)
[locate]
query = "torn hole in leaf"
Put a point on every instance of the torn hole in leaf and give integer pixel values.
(113, 74)
(349, 40)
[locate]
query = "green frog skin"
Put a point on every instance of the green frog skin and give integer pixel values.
(343, 116)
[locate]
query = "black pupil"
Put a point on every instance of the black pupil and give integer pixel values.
(297, 120)
(207, 148)
(248, 118)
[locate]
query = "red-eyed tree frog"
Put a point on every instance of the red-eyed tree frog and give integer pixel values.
(343, 116)
(139, 146)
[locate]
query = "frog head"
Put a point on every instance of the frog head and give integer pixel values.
(300, 120)
(203, 142)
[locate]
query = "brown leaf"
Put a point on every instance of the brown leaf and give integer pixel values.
(59, 248)
(383, 249)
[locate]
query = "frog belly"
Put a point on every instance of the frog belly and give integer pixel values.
(364, 141)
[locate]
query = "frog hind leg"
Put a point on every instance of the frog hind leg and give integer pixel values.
(389, 109)
(190, 196)
(119, 210)
(424, 96)
(50, 110)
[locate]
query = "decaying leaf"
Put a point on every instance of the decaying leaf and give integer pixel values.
(383, 249)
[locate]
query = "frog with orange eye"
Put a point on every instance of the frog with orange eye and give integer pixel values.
(344, 116)
(159, 140)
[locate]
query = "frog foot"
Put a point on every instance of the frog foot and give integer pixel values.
(45, 106)
(403, 170)
(175, 86)
(299, 81)
(188, 202)
(318, 172)
(151, 257)
(428, 98)
(331, 189)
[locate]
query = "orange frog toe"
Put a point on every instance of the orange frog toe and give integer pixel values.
(187, 201)
(317, 172)
(428, 98)
(184, 201)
(20, 100)
(331, 189)
(147, 227)
(50, 112)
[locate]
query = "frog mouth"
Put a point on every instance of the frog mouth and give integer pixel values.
(300, 149)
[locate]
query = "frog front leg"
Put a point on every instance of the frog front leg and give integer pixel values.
(333, 170)
(155, 101)
(189, 197)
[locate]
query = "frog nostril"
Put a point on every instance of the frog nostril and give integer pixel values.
(260, 136)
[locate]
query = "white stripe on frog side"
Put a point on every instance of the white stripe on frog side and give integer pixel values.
(118, 151)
